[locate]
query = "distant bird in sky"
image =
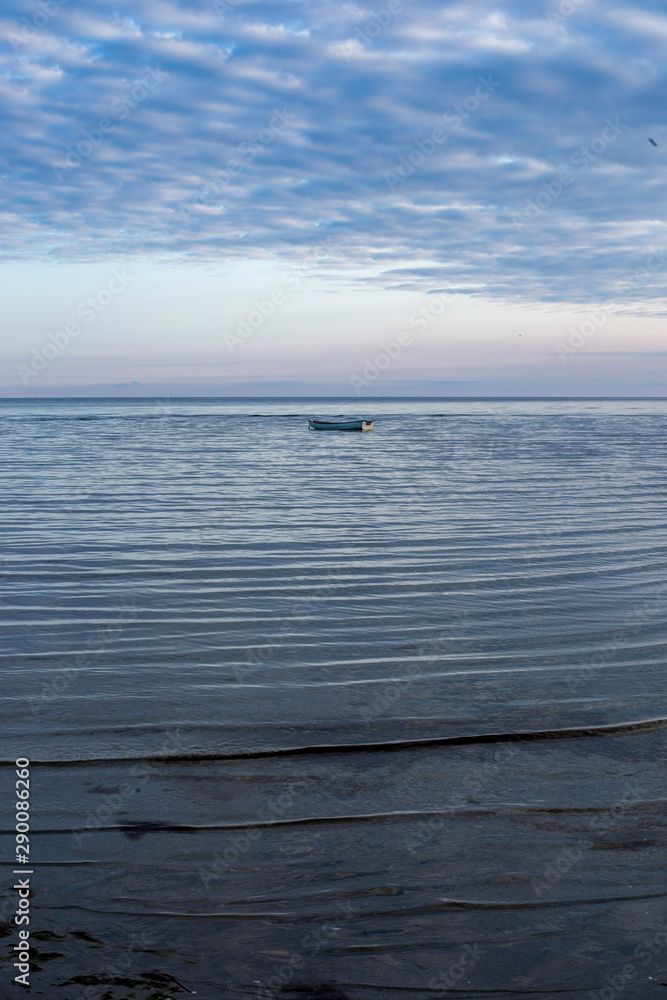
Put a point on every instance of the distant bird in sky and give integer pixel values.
(652, 141)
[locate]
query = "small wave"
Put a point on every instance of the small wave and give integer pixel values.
(442, 905)
(575, 732)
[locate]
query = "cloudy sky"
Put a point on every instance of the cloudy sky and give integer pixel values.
(289, 196)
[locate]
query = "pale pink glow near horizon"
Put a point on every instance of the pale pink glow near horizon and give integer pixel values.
(193, 331)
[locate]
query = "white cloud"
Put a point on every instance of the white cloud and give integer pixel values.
(352, 117)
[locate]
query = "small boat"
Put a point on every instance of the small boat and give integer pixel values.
(341, 425)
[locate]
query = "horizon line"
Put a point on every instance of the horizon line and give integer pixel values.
(358, 399)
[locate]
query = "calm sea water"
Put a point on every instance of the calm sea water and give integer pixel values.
(293, 698)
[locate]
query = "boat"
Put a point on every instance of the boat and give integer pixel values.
(341, 425)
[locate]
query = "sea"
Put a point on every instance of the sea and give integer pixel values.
(342, 716)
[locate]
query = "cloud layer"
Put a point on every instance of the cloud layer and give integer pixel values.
(500, 151)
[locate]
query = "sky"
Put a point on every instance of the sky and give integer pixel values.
(278, 197)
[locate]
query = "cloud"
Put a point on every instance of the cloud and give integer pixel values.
(197, 164)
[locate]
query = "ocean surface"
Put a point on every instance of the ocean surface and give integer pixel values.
(337, 716)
